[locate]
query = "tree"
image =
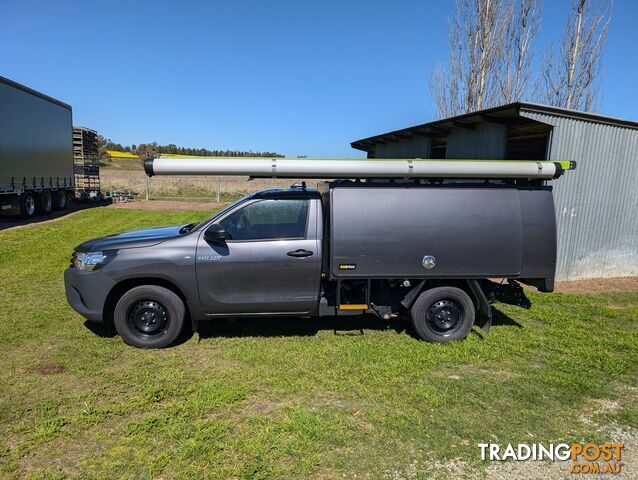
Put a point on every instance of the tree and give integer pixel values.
(472, 79)
(153, 149)
(147, 150)
(570, 78)
(521, 32)
(102, 147)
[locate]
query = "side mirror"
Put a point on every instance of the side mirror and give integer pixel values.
(215, 233)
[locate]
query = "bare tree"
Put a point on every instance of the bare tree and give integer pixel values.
(443, 91)
(470, 80)
(521, 32)
(570, 78)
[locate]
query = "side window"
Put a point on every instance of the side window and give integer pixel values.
(268, 220)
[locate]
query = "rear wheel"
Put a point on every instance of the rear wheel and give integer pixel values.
(44, 202)
(149, 316)
(59, 200)
(443, 314)
(70, 198)
(27, 205)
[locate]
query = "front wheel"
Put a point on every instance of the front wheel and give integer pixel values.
(443, 314)
(149, 316)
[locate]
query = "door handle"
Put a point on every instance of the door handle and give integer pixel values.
(299, 253)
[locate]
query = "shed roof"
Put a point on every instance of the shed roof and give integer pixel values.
(508, 114)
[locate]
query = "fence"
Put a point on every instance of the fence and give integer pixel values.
(220, 189)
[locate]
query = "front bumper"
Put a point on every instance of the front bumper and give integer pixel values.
(86, 292)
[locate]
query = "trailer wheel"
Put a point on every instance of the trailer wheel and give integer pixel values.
(70, 198)
(443, 314)
(59, 200)
(27, 205)
(149, 316)
(44, 202)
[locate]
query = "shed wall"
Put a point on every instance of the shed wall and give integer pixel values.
(597, 204)
(417, 147)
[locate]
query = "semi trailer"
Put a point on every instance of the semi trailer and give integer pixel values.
(396, 238)
(36, 156)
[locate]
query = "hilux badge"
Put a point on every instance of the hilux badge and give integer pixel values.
(429, 262)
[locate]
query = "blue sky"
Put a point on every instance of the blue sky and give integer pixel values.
(300, 78)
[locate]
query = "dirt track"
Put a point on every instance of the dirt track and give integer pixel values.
(598, 285)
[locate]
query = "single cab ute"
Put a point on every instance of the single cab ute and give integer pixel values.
(380, 248)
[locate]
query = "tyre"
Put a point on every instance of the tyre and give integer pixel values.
(59, 200)
(149, 316)
(44, 202)
(27, 205)
(70, 198)
(443, 314)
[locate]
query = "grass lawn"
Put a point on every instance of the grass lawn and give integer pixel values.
(277, 398)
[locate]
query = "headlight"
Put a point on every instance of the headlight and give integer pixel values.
(89, 261)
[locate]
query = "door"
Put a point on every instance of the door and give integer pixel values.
(270, 262)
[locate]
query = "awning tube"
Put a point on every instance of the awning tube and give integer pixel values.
(353, 168)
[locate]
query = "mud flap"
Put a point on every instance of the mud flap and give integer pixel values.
(484, 309)
(409, 299)
(194, 324)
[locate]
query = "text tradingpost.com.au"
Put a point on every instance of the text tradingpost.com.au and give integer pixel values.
(584, 457)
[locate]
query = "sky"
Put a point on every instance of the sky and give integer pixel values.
(294, 77)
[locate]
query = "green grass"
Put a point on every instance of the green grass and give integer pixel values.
(295, 398)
